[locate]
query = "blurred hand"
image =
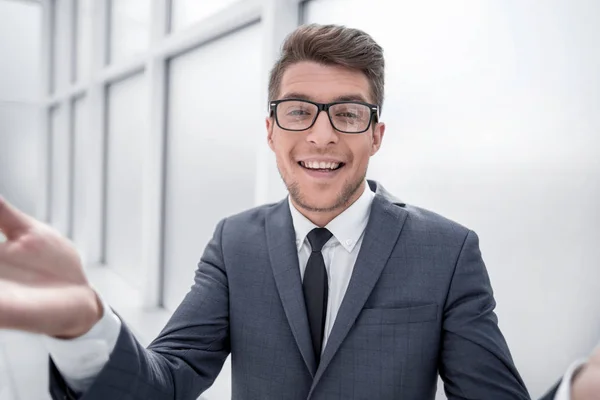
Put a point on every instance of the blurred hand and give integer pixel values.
(586, 385)
(43, 288)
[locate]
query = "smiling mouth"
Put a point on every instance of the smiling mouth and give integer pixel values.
(324, 166)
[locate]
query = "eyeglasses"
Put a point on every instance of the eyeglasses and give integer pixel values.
(345, 116)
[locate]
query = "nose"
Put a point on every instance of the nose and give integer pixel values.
(322, 132)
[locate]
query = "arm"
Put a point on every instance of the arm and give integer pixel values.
(188, 354)
(475, 360)
(80, 360)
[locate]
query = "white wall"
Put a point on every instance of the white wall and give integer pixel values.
(492, 120)
(20, 79)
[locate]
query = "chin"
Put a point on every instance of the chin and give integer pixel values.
(321, 194)
(315, 202)
(319, 205)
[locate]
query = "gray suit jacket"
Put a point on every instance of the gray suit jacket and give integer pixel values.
(419, 302)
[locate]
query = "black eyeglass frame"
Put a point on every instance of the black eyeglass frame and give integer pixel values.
(324, 107)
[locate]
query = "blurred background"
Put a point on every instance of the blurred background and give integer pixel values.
(133, 126)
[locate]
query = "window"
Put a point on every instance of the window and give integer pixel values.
(61, 42)
(84, 44)
(213, 136)
(187, 12)
(60, 164)
(129, 28)
(126, 143)
(80, 164)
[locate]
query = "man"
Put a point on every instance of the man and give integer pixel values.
(339, 291)
(581, 381)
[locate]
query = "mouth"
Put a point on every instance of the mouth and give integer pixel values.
(321, 169)
(321, 165)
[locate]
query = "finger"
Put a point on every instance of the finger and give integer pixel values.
(13, 222)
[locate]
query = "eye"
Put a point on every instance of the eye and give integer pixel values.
(298, 112)
(350, 111)
(347, 114)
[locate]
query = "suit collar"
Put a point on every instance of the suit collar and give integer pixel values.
(384, 194)
(283, 255)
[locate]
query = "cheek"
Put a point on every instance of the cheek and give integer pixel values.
(283, 146)
(361, 152)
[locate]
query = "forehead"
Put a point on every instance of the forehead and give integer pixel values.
(324, 83)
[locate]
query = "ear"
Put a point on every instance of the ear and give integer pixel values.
(378, 132)
(269, 123)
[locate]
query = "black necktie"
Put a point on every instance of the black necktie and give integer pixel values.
(316, 288)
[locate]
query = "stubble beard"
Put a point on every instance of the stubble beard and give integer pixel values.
(343, 199)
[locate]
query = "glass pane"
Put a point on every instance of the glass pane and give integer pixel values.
(20, 110)
(20, 52)
(127, 135)
(60, 178)
(129, 28)
(187, 12)
(211, 160)
(84, 39)
(80, 162)
(20, 156)
(60, 45)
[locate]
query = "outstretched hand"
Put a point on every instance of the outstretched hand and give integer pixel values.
(43, 288)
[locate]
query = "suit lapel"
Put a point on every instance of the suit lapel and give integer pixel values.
(283, 253)
(381, 234)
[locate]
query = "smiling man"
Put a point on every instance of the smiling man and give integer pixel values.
(323, 156)
(339, 291)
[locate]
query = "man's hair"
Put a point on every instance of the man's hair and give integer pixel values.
(332, 45)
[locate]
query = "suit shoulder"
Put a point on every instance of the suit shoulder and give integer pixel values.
(253, 217)
(434, 225)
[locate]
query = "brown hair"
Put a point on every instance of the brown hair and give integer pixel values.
(332, 45)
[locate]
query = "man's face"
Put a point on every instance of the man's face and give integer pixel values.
(297, 153)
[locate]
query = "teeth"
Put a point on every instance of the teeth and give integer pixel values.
(320, 164)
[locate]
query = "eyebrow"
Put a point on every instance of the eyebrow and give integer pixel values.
(346, 97)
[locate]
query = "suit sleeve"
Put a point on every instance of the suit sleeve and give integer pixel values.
(475, 360)
(186, 357)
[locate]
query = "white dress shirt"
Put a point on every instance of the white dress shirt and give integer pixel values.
(80, 360)
(339, 252)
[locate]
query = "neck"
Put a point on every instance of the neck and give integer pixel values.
(322, 218)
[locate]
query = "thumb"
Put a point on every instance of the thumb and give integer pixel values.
(13, 222)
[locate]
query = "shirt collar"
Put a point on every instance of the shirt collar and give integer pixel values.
(347, 227)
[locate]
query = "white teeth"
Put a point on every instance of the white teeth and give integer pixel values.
(320, 164)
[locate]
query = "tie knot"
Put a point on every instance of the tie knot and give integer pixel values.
(318, 237)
